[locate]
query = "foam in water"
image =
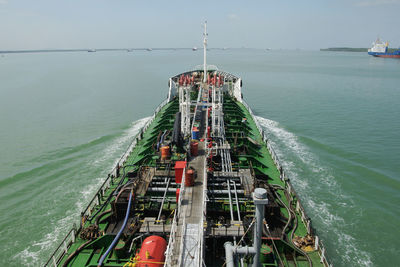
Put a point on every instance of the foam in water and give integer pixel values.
(296, 159)
(120, 143)
(36, 253)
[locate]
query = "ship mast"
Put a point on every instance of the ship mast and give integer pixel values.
(205, 52)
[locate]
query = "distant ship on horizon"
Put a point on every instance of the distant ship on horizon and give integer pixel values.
(380, 49)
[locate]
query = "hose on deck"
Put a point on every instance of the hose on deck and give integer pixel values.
(114, 242)
(291, 214)
(76, 252)
(113, 193)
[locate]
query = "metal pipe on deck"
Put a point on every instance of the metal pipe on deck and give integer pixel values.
(231, 250)
(237, 202)
(162, 189)
(163, 199)
(223, 179)
(222, 182)
(162, 183)
(218, 191)
(230, 200)
(260, 200)
(223, 198)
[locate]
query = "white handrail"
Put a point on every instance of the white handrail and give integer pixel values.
(174, 228)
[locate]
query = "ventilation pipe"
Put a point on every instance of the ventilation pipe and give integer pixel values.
(260, 200)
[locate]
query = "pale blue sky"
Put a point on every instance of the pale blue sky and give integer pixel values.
(306, 24)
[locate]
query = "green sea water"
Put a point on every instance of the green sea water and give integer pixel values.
(332, 117)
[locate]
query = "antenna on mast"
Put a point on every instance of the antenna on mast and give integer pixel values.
(205, 52)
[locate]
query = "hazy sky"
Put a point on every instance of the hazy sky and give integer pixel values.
(306, 24)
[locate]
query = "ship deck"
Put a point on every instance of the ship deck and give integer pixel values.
(233, 157)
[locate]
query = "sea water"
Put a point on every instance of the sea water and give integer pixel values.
(333, 119)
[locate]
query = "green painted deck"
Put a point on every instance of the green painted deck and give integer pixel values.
(262, 162)
(241, 131)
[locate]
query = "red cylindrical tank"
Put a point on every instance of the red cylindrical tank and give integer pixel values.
(165, 152)
(189, 178)
(208, 131)
(178, 191)
(152, 252)
(194, 148)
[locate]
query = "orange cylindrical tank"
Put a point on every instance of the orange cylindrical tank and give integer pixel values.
(194, 148)
(165, 152)
(152, 252)
(189, 178)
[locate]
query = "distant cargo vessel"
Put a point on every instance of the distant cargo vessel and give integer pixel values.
(380, 49)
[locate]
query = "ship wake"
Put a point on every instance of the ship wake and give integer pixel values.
(37, 251)
(318, 189)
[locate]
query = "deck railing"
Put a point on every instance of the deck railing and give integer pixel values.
(299, 207)
(62, 248)
(204, 210)
(69, 239)
(114, 171)
(174, 229)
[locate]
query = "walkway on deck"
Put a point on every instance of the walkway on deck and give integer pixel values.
(190, 223)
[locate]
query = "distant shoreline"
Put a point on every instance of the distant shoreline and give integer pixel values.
(22, 51)
(111, 49)
(330, 49)
(83, 50)
(344, 49)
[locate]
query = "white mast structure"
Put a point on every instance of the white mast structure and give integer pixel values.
(205, 52)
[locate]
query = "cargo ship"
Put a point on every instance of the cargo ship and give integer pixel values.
(380, 49)
(200, 185)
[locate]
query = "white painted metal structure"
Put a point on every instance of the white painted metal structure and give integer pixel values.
(378, 46)
(217, 119)
(205, 52)
(184, 108)
(186, 244)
